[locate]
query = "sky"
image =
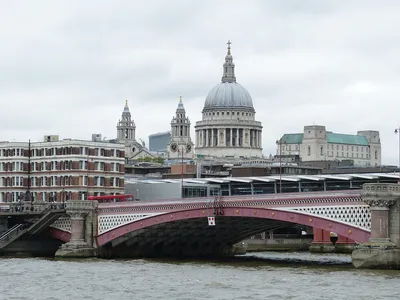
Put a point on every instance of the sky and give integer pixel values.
(67, 67)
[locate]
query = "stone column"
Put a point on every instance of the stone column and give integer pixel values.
(382, 251)
(83, 219)
(237, 137)
(379, 218)
(230, 138)
(77, 227)
(212, 137)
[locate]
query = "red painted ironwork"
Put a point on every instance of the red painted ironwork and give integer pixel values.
(352, 232)
(112, 198)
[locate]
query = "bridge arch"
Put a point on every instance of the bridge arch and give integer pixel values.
(346, 230)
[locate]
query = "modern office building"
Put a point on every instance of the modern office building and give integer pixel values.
(158, 142)
(59, 170)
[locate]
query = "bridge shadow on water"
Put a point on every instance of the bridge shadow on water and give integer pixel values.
(268, 259)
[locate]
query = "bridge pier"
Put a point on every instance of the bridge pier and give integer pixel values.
(83, 224)
(383, 248)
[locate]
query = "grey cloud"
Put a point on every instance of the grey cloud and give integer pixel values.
(66, 67)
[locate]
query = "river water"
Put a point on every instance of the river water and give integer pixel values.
(265, 275)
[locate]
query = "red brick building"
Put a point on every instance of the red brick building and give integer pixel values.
(60, 169)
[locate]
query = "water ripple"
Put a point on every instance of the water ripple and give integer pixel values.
(253, 277)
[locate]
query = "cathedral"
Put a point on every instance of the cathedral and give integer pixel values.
(126, 130)
(181, 143)
(228, 127)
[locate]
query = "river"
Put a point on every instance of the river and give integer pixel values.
(266, 275)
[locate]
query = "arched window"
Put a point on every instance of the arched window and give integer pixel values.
(308, 150)
(376, 154)
(322, 150)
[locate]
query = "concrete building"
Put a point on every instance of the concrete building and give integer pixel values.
(181, 144)
(228, 127)
(318, 144)
(60, 169)
(158, 142)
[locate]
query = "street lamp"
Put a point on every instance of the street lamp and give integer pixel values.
(280, 164)
(181, 151)
(397, 131)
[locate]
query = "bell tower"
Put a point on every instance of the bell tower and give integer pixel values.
(180, 135)
(126, 131)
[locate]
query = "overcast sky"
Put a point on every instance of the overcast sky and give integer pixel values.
(66, 67)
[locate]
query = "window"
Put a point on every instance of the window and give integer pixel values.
(308, 150)
(376, 154)
(322, 150)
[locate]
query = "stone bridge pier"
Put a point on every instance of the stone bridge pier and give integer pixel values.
(382, 251)
(83, 229)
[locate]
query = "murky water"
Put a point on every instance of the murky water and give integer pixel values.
(254, 276)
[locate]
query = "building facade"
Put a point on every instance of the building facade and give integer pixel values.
(228, 127)
(126, 133)
(158, 142)
(317, 144)
(180, 145)
(60, 170)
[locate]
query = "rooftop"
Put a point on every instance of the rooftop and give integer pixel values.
(292, 178)
(332, 138)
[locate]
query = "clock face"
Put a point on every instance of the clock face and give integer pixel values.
(174, 147)
(188, 147)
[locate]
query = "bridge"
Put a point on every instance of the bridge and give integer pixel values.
(211, 226)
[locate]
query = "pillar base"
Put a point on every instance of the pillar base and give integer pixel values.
(374, 255)
(321, 248)
(76, 250)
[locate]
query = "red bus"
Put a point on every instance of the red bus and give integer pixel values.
(112, 198)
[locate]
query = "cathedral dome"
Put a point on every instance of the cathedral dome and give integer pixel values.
(228, 95)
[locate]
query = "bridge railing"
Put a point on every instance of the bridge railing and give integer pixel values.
(343, 193)
(12, 232)
(284, 200)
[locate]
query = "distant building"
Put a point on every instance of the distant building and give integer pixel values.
(60, 170)
(317, 144)
(228, 127)
(181, 142)
(158, 142)
(126, 133)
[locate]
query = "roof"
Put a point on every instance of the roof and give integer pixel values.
(350, 139)
(332, 138)
(228, 95)
(293, 178)
(292, 138)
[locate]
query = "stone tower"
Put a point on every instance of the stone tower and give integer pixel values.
(180, 135)
(126, 130)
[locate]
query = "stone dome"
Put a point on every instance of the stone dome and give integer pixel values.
(228, 95)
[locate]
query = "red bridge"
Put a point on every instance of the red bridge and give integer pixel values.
(181, 227)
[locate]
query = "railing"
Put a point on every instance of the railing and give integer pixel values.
(11, 233)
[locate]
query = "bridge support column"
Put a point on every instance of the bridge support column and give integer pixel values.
(321, 242)
(383, 248)
(82, 214)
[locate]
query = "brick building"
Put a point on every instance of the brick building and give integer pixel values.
(60, 169)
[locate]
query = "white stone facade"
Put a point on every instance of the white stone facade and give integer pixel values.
(126, 133)
(180, 135)
(228, 127)
(317, 144)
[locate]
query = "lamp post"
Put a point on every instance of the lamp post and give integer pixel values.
(279, 143)
(397, 131)
(182, 191)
